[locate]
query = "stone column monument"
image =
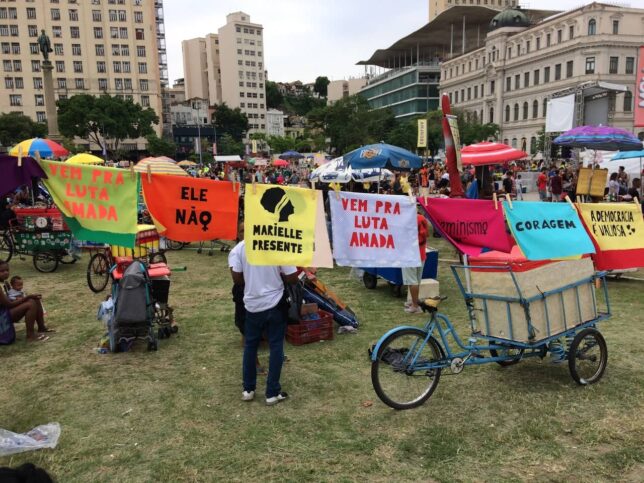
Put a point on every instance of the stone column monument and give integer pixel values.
(48, 80)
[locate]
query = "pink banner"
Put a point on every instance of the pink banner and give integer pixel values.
(469, 225)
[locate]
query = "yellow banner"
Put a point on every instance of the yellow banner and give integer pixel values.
(614, 226)
(279, 227)
(422, 133)
(253, 146)
(456, 136)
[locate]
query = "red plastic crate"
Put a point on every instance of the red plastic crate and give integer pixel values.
(308, 331)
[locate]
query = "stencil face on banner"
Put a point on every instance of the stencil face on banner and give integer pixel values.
(547, 231)
(280, 225)
(374, 230)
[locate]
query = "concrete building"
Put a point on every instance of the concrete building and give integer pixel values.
(522, 63)
(110, 46)
(177, 93)
(229, 67)
(201, 68)
(339, 89)
(274, 123)
(436, 7)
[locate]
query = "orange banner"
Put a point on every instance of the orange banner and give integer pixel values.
(192, 209)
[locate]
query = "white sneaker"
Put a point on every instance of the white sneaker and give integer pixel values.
(408, 304)
(248, 395)
(271, 401)
(414, 310)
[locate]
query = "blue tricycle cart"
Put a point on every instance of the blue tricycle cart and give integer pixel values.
(531, 322)
(393, 275)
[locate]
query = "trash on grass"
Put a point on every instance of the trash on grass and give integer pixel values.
(43, 436)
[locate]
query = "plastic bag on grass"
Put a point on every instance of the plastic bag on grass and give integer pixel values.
(43, 436)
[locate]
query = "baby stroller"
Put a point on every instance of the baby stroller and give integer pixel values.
(134, 309)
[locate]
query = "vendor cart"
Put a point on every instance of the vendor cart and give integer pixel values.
(40, 233)
(394, 275)
(104, 257)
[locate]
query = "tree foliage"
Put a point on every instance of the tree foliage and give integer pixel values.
(321, 86)
(274, 98)
(104, 118)
(15, 127)
(230, 121)
(161, 146)
(228, 145)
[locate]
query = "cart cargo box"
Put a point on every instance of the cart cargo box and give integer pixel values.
(544, 314)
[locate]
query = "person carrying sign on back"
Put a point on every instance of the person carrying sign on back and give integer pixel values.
(412, 276)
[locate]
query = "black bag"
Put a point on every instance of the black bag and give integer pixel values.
(292, 302)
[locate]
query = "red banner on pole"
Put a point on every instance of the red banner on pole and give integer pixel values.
(639, 90)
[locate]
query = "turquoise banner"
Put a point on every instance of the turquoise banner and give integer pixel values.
(545, 231)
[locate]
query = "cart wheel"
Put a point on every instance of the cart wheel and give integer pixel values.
(199, 250)
(396, 290)
(98, 272)
(512, 353)
(6, 247)
(588, 356)
(174, 245)
(68, 259)
(370, 281)
(158, 257)
(45, 262)
(397, 374)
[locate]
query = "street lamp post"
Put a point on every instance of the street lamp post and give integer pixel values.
(198, 104)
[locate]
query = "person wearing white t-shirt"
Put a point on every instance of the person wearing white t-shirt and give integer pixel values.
(263, 291)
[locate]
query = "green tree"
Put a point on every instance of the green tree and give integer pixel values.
(230, 121)
(274, 98)
(279, 144)
(541, 139)
(15, 127)
(104, 118)
(161, 146)
(302, 105)
(404, 134)
(228, 145)
(321, 86)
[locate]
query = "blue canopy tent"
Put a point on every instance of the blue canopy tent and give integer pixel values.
(622, 155)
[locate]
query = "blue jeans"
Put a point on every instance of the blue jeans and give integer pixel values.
(273, 322)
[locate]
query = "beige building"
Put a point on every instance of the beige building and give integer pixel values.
(229, 67)
(436, 7)
(99, 46)
(201, 68)
(508, 81)
(340, 89)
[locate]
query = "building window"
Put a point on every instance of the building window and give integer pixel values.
(546, 74)
(98, 32)
(545, 107)
(80, 83)
(590, 65)
(145, 101)
(492, 87)
(116, 66)
(517, 81)
(39, 99)
(469, 93)
(102, 84)
(125, 50)
(139, 34)
(8, 82)
(514, 142)
(592, 27)
(558, 72)
(76, 49)
(612, 66)
(74, 32)
(559, 36)
(15, 99)
(476, 92)
(516, 111)
(140, 50)
(35, 66)
(100, 67)
(138, 17)
(526, 79)
(615, 27)
(55, 14)
(19, 83)
(17, 65)
(127, 84)
(41, 116)
(535, 77)
(143, 84)
(456, 97)
(538, 43)
(62, 83)
(127, 67)
(73, 15)
(96, 15)
(112, 14)
(122, 16)
(118, 84)
(37, 82)
(31, 13)
(547, 40)
(628, 101)
(123, 32)
(535, 109)
(508, 84)
(630, 65)
(33, 30)
(114, 32)
(527, 47)
(525, 111)
(143, 68)
(60, 66)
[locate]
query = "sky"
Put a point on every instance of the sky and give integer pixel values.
(304, 39)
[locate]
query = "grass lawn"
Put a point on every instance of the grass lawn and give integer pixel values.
(176, 414)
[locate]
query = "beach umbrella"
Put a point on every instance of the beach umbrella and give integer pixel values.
(382, 155)
(85, 158)
(46, 148)
(281, 163)
(481, 154)
(165, 158)
(606, 138)
(630, 155)
(185, 162)
(290, 155)
(154, 166)
(336, 171)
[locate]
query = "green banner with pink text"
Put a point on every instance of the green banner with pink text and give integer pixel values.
(99, 204)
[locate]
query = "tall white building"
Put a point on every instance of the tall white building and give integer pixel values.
(229, 67)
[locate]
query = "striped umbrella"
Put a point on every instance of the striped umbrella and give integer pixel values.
(166, 158)
(46, 148)
(85, 158)
(480, 154)
(185, 162)
(155, 166)
(606, 138)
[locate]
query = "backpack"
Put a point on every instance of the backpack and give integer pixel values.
(133, 296)
(7, 330)
(292, 302)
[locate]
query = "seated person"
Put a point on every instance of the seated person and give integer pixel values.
(6, 214)
(28, 308)
(15, 291)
